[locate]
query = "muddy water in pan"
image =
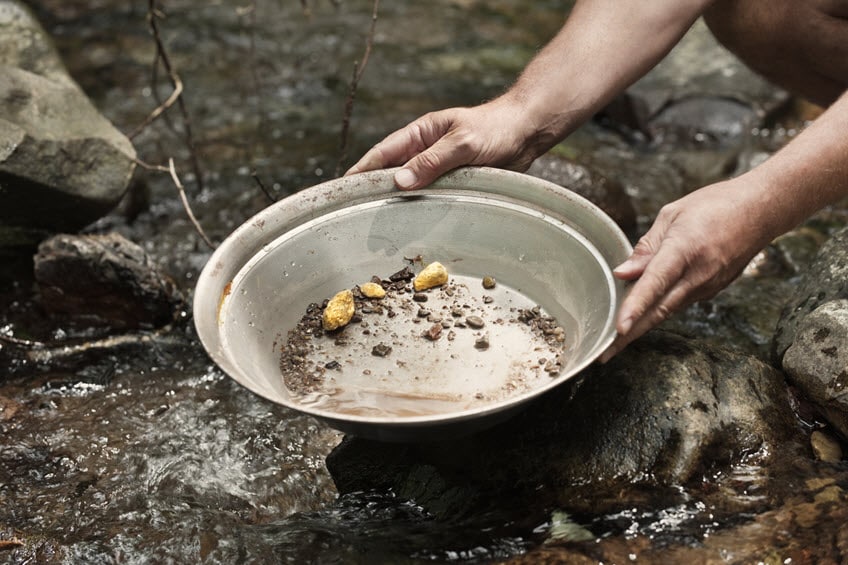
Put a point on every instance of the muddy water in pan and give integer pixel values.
(431, 352)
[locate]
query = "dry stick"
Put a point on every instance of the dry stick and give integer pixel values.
(166, 63)
(159, 109)
(184, 199)
(262, 187)
(173, 172)
(250, 12)
(358, 71)
(154, 75)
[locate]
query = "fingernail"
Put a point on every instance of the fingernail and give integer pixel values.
(627, 265)
(405, 178)
(624, 326)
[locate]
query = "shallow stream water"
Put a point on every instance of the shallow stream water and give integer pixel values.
(162, 458)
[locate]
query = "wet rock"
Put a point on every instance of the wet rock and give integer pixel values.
(664, 411)
(825, 279)
(599, 189)
(62, 164)
(825, 447)
(104, 280)
(812, 528)
(8, 408)
(817, 361)
(700, 92)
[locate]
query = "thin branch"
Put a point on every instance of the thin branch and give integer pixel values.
(159, 110)
(24, 343)
(358, 71)
(262, 187)
(149, 167)
(186, 205)
(153, 15)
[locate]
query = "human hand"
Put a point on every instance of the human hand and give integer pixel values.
(697, 246)
(498, 133)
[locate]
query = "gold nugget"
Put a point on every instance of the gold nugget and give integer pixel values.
(339, 311)
(431, 276)
(372, 290)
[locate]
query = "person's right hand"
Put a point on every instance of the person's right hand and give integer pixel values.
(497, 134)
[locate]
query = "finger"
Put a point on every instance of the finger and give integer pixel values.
(678, 297)
(400, 146)
(661, 274)
(643, 253)
(394, 150)
(442, 156)
(633, 267)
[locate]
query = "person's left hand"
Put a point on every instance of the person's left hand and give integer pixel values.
(697, 246)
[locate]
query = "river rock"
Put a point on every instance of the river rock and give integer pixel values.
(662, 411)
(62, 164)
(825, 279)
(104, 280)
(817, 361)
(812, 527)
(606, 193)
(700, 92)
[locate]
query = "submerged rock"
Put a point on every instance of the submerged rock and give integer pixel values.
(62, 164)
(665, 411)
(104, 280)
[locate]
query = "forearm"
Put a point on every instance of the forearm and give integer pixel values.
(807, 174)
(604, 46)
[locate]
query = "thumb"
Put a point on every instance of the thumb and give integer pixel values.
(443, 156)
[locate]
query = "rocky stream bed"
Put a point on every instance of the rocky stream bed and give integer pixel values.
(718, 438)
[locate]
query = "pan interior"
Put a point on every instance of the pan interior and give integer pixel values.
(535, 258)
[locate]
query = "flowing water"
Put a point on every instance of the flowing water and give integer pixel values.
(162, 458)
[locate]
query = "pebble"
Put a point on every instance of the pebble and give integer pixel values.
(372, 290)
(434, 332)
(431, 276)
(381, 350)
(475, 322)
(419, 297)
(482, 342)
(338, 311)
(488, 282)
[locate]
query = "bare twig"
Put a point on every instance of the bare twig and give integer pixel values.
(149, 167)
(186, 205)
(154, 15)
(262, 186)
(358, 71)
(178, 89)
(24, 343)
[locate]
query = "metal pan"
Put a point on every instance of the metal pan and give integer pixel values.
(545, 246)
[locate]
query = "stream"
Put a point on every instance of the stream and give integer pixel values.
(160, 457)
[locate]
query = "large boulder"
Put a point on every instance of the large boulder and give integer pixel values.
(62, 164)
(667, 411)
